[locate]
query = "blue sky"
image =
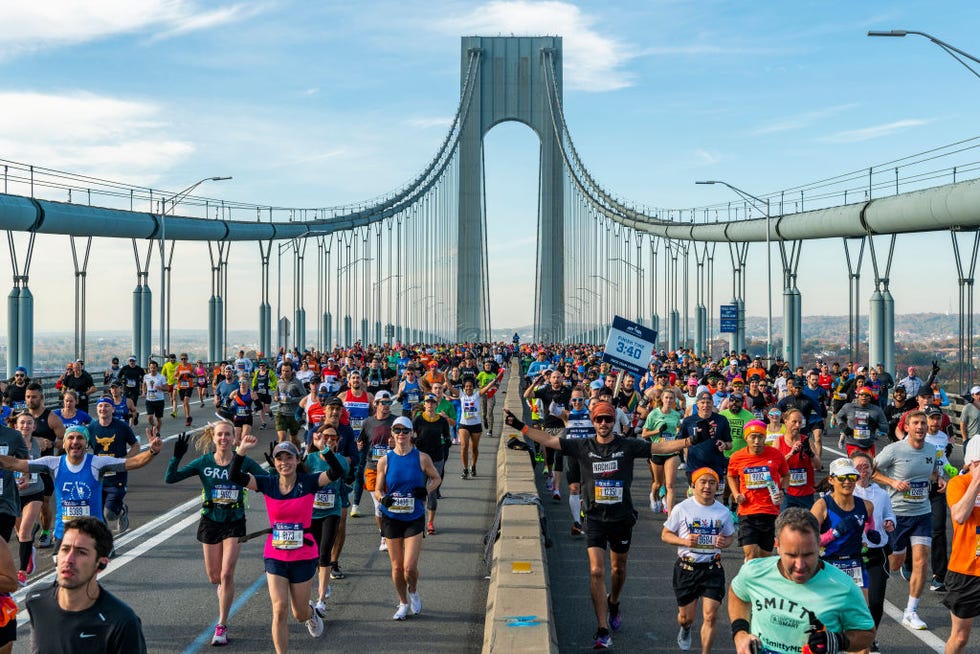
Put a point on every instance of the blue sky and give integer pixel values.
(318, 104)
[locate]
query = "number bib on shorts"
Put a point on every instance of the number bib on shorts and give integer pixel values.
(917, 491)
(71, 509)
(608, 491)
(225, 494)
(287, 535)
(324, 499)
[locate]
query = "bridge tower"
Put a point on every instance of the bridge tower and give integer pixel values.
(510, 85)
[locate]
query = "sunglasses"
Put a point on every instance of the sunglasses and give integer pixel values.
(578, 399)
(428, 401)
(386, 402)
(18, 376)
(847, 477)
(399, 430)
(603, 419)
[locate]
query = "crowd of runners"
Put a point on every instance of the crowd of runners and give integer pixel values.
(737, 449)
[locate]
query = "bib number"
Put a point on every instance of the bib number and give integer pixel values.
(755, 478)
(378, 452)
(608, 491)
(225, 495)
(797, 476)
(403, 505)
(918, 491)
(853, 569)
(287, 535)
(71, 509)
(324, 499)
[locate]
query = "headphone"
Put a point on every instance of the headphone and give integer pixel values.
(102, 565)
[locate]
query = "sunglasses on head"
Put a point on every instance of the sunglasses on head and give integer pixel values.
(603, 419)
(399, 430)
(847, 477)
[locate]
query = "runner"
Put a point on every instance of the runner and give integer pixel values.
(288, 392)
(758, 476)
(431, 438)
(700, 528)
(69, 413)
(131, 375)
(184, 381)
(31, 490)
(802, 460)
(579, 425)
(963, 578)
(326, 507)
(290, 550)
(50, 429)
(470, 426)
(357, 401)
(240, 403)
(405, 478)
(201, 380)
(263, 381)
(662, 424)
(222, 512)
(154, 392)
(549, 388)
(123, 408)
(115, 438)
(374, 442)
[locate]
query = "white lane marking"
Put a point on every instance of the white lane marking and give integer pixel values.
(929, 639)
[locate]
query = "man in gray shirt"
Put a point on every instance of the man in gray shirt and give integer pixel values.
(970, 416)
(288, 393)
(908, 468)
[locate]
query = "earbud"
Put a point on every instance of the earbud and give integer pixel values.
(102, 565)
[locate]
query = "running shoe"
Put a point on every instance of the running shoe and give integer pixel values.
(684, 638)
(653, 503)
(615, 617)
(187, 423)
(336, 572)
(30, 561)
(431, 529)
(875, 648)
(576, 529)
(355, 512)
(173, 414)
(465, 474)
(329, 590)
(936, 586)
(904, 572)
(603, 640)
(136, 419)
(21, 578)
(682, 466)
(415, 601)
(124, 519)
(220, 636)
(321, 608)
(383, 547)
(315, 624)
(911, 620)
(473, 471)
(401, 613)
(46, 540)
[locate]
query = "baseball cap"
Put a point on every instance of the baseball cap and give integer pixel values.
(736, 396)
(842, 466)
(933, 411)
(430, 397)
(975, 390)
(382, 395)
(287, 447)
(334, 401)
(132, 358)
(703, 394)
(972, 452)
(925, 391)
(597, 384)
(602, 409)
(402, 421)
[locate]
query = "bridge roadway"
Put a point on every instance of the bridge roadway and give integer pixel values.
(648, 605)
(159, 570)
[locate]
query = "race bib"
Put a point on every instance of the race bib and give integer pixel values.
(4, 450)
(71, 509)
(225, 494)
(608, 491)
(755, 478)
(853, 569)
(287, 535)
(378, 452)
(917, 491)
(324, 499)
(402, 505)
(356, 423)
(797, 476)
(19, 405)
(130, 383)
(185, 383)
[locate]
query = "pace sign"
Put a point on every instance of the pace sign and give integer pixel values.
(629, 345)
(729, 319)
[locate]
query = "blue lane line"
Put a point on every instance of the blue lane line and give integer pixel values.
(205, 637)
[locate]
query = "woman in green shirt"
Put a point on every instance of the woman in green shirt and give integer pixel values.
(661, 425)
(222, 510)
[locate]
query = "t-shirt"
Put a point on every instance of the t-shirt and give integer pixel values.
(707, 521)
(901, 461)
(374, 436)
(757, 475)
(607, 472)
(780, 606)
(156, 387)
(965, 555)
(801, 473)
(671, 420)
(736, 421)
(108, 625)
(11, 444)
(971, 417)
(706, 453)
(561, 398)
(431, 436)
(222, 499)
(114, 439)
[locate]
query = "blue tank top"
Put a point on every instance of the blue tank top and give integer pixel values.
(121, 410)
(850, 543)
(412, 395)
(403, 474)
(77, 494)
(80, 418)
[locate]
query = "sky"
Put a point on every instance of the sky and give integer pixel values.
(320, 104)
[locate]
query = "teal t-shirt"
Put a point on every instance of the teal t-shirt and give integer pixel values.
(222, 499)
(656, 418)
(779, 606)
(327, 500)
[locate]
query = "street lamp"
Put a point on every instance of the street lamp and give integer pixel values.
(165, 261)
(950, 50)
(758, 202)
(639, 271)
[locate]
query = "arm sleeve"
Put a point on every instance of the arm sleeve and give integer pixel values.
(175, 473)
(104, 464)
(236, 475)
(44, 464)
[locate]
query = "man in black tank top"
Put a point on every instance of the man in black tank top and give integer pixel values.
(49, 427)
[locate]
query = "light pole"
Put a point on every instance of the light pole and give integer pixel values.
(375, 290)
(952, 51)
(758, 203)
(639, 271)
(165, 261)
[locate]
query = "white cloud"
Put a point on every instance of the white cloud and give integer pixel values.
(706, 158)
(104, 136)
(801, 120)
(592, 61)
(30, 26)
(873, 132)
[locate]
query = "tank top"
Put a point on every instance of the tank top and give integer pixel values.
(359, 409)
(290, 517)
(77, 494)
(412, 395)
(43, 430)
(849, 544)
(403, 474)
(261, 383)
(243, 405)
(314, 414)
(120, 410)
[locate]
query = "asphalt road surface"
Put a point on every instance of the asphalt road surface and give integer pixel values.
(159, 569)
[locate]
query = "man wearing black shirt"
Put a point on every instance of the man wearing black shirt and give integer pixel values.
(795, 399)
(556, 399)
(81, 382)
(77, 614)
(111, 437)
(131, 375)
(606, 464)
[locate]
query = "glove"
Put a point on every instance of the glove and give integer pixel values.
(387, 501)
(513, 421)
(935, 367)
(874, 536)
(821, 641)
(702, 432)
(420, 493)
(181, 445)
